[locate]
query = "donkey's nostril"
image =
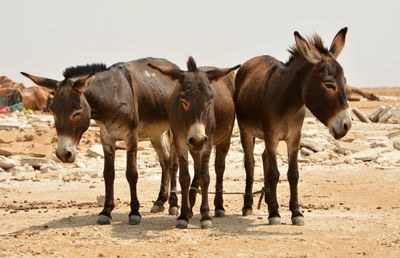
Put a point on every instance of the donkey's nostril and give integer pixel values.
(191, 141)
(345, 127)
(205, 139)
(68, 154)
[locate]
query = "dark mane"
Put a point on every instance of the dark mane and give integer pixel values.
(82, 70)
(314, 40)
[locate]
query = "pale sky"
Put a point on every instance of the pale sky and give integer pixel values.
(43, 37)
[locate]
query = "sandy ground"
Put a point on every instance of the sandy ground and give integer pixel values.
(351, 207)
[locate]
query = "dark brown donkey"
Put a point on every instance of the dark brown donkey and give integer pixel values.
(201, 115)
(270, 102)
(129, 101)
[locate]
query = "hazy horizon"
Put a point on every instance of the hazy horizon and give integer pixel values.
(44, 37)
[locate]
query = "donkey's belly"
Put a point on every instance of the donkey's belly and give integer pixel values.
(152, 129)
(252, 128)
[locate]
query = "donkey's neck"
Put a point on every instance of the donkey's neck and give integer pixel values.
(293, 79)
(94, 100)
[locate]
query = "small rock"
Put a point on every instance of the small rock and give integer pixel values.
(7, 163)
(349, 160)
(95, 151)
(396, 145)
(52, 175)
(365, 156)
(34, 162)
(306, 152)
(380, 143)
(312, 144)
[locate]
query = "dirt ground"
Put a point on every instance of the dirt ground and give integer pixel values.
(351, 207)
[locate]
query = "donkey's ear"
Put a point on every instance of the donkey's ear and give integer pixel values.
(215, 74)
(173, 73)
(338, 42)
(82, 83)
(41, 81)
(307, 50)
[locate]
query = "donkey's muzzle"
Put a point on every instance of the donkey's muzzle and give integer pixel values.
(66, 149)
(340, 124)
(197, 136)
(196, 143)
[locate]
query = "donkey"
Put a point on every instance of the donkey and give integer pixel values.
(129, 101)
(270, 101)
(201, 115)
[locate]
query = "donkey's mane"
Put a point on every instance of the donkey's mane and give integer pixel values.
(81, 70)
(314, 40)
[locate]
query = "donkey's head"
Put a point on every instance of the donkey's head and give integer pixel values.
(324, 83)
(195, 98)
(70, 108)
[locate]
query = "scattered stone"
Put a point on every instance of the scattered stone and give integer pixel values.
(36, 163)
(360, 115)
(28, 137)
(379, 143)
(349, 160)
(95, 151)
(384, 111)
(369, 155)
(73, 176)
(351, 146)
(52, 175)
(7, 163)
(312, 144)
(396, 145)
(374, 116)
(306, 151)
(385, 118)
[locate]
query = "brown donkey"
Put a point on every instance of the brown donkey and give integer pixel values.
(270, 103)
(201, 115)
(129, 101)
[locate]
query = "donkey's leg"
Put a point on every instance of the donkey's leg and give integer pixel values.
(163, 157)
(194, 187)
(132, 176)
(248, 149)
(109, 175)
(222, 151)
(293, 178)
(271, 178)
(204, 181)
(184, 180)
(173, 169)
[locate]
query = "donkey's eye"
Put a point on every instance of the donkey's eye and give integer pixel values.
(77, 113)
(185, 104)
(330, 85)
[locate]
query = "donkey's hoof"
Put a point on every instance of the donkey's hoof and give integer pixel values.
(206, 224)
(219, 213)
(173, 211)
(274, 221)
(134, 219)
(298, 221)
(157, 208)
(103, 219)
(181, 223)
(247, 212)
